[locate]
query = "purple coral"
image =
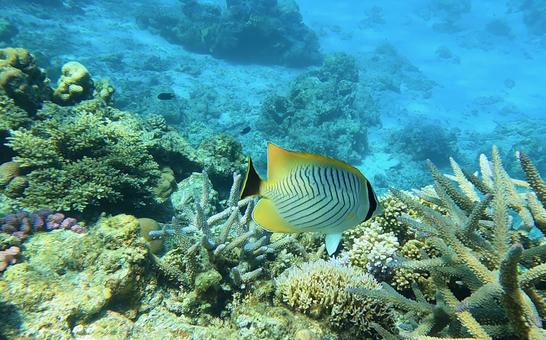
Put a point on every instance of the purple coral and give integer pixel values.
(22, 223)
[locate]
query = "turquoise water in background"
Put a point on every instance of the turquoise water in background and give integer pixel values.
(469, 73)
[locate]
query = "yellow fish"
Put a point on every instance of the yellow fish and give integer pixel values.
(309, 192)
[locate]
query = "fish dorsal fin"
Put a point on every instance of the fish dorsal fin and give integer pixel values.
(280, 161)
(332, 242)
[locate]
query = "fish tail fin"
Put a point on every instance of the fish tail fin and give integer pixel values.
(252, 183)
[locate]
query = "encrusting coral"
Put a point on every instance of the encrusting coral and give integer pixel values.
(495, 293)
(319, 289)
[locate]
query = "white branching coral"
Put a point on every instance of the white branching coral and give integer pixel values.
(374, 249)
(319, 289)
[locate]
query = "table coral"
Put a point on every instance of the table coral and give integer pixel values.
(319, 289)
(74, 85)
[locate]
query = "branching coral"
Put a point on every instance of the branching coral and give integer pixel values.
(83, 158)
(318, 288)
(212, 254)
(479, 247)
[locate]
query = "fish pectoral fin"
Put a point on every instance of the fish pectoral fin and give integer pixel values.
(266, 215)
(332, 242)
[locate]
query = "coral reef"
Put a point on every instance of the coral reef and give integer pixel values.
(485, 275)
(84, 157)
(374, 250)
(318, 289)
(263, 31)
(319, 113)
(22, 80)
(75, 85)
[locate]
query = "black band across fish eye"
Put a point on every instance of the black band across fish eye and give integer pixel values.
(371, 200)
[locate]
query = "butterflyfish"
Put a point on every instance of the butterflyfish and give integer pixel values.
(307, 192)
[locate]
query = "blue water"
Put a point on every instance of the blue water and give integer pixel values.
(471, 73)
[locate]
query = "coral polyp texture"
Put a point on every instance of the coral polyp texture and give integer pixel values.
(486, 276)
(319, 289)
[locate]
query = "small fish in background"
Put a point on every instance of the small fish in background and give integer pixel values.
(166, 96)
(306, 192)
(245, 130)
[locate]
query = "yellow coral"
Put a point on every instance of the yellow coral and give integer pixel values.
(319, 289)
(74, 85)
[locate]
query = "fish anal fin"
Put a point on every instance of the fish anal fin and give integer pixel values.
(265, 214)
(332, 242)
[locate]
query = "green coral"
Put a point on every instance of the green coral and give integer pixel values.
(318, 289)
(85, 157)
(478, 247)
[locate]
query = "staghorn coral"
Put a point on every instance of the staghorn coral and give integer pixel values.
(75, 85)
(318, 288)
(210, 254)
(479, 248)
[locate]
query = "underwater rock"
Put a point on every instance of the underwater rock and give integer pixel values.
(264, 31)
(22, 80)
(165, 185)
(189, 192)
(74, 85)
(222, 156)
(69, 278)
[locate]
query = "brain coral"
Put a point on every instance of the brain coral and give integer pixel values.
(84, 157)
(74, 85)
(22, 80)
(319, 289)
